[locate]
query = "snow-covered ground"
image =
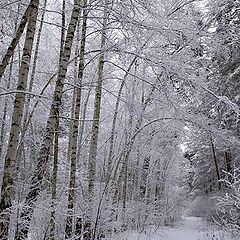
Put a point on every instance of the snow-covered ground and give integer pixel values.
(190, 228)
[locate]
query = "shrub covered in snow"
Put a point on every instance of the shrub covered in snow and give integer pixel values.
(228, 206)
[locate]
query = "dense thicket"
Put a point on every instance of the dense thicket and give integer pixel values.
(114, 114)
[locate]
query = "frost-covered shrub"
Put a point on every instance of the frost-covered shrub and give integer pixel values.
(228, 206)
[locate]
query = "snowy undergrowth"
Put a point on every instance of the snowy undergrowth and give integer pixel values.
(190, 228)
(212, 232)
(228, 205)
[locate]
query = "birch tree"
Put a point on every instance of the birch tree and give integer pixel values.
(97, 104)
(132, 85)
(43, 158)
(56, 141)
(7, 190)
(75, 127)
(27, 14)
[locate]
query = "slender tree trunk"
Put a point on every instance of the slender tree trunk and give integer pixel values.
(112, 134)
(97, 107)
(131, 142)
(38, 39)
(43, 158)
(56, 141)
(54, 183)
(2, 136)
(28, 97)
(75, 127)
(27, 14)
(96, 121)
(228, 160)
(215, 162)
(118, 191)
(82, 124)
(145, 168)
(7, 191)
(158, 187)
(123, 176)
(4, 118)
(76, 61)
(30, 115)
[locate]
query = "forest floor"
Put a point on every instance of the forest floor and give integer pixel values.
(189, 228)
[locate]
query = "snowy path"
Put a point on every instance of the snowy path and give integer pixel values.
(190, 228)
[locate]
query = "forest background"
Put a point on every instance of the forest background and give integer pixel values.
(115, 115)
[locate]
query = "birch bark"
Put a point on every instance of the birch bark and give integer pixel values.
(56, 141)
(7, 190)
(5, 61)
(31, 82)
(75, 127)
(34, 65)
(97, 106)
(38, 175)
(95, 126)
(5, 108)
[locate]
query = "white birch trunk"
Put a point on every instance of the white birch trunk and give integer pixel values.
(27, 14)
(75, 127)
(43, 158)
(7, 190)
(97, 107)
(52, 224)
